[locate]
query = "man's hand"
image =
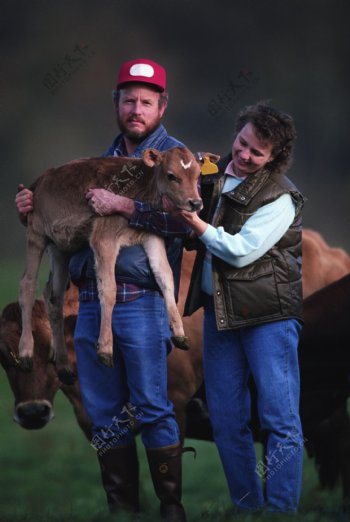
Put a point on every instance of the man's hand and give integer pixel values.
(105, 203)
(24, 202)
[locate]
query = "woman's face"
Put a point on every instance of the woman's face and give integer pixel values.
(249, 154)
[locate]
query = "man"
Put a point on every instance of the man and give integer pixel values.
(135, 390)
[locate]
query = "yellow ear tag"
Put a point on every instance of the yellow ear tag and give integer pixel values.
(208, 167)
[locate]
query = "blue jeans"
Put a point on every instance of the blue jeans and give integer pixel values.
(269, 353)
(137, 383)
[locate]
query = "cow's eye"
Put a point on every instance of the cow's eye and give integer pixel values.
(172, 177)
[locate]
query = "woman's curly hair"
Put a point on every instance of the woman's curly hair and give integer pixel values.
(274, 127)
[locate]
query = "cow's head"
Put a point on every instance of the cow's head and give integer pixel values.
(33, 391)
(178, 177)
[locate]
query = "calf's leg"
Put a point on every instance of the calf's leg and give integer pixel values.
(54, 298)
(156, 253)
(106, 248)
(35, 248)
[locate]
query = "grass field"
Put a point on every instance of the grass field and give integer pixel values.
(10, 274)
(52, 475)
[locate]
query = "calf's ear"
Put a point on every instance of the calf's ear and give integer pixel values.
(214, 158)
(201, 156)
(152, 157)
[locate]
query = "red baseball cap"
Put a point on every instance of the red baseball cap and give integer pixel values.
(144, 71)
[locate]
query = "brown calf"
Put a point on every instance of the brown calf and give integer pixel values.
(62, 222)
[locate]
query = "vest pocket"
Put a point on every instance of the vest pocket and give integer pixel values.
(251, 292)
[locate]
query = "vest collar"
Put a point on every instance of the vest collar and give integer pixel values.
(249, 187)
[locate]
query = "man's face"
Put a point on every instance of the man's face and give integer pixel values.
(249, 154)
(138, 112)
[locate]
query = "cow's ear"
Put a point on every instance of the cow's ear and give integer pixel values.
(152, 157)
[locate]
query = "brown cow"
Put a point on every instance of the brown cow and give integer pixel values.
(34, 391)
(322, 264)
(324, 355)
(62, 222)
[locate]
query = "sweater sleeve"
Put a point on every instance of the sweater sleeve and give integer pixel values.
(259, 233)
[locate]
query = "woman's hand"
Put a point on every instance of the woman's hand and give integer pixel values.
(192, 219)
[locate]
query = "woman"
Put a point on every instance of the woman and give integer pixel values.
(247, 275)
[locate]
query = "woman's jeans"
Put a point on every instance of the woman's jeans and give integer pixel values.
(268, 352)
(135, 389)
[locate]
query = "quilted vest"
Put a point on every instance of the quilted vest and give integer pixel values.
(269, 289)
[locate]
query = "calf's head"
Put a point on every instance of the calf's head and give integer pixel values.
(33, 391)
(177, 178)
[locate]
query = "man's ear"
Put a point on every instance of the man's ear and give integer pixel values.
(152, 157)
(162, 109)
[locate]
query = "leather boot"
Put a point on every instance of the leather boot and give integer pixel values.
(120, 478)
(165, 467)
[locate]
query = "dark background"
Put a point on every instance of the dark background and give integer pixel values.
(59, 61)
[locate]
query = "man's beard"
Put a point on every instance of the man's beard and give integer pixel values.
(136, 136)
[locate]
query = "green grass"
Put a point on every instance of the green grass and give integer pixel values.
(52, 474)
(10, 274)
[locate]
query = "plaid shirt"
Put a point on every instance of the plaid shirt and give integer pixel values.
(125, 291)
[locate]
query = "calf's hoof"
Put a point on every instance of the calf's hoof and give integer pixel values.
(25, 363)
(106, 359)
(66, 376)
(181, 341)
